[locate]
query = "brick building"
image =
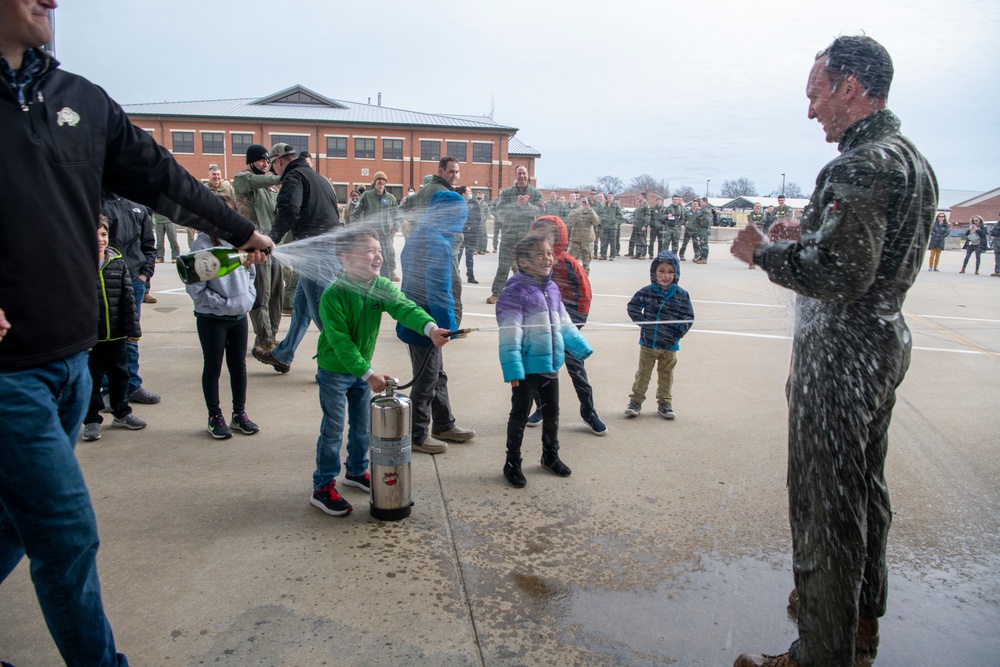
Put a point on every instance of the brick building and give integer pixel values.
(985, 205)
(349, 141)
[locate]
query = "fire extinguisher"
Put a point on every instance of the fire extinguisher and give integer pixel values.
(390, 452)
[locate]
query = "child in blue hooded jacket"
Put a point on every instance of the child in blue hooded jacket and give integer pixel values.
(535, 334)
(667, 307)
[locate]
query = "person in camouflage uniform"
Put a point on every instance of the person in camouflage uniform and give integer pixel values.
(613, 218)
(860, 247)
(517, 206)
(640, 223)
(702, 220)
(674, 219)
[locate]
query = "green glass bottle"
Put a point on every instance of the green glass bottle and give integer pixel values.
(209, 264)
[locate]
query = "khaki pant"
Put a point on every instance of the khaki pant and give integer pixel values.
(648, 357)
(582, 252)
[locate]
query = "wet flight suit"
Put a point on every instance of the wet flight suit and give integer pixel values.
(863, 236)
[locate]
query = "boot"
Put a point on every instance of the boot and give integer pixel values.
(866, 639)
(550, 459)
(512, 471)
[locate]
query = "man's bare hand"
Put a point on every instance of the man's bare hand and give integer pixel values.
(439, 336)
(4, 324)
(745, 243)
(255, 246)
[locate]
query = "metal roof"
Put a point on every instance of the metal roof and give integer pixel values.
(324, 110)
(517, 147)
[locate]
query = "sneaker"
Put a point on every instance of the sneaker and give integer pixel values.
(455, 434)
(328, 500)
(148, 298)
(92, 431)
(217, 427)
(243, 424)
(267, 357)
(491, 299)
(633, 410)
(143, 395)
(535, 418)
(597, 427)
(473, 281)
(430, 446)
(363, 482)
(665, 411)
(129, 421)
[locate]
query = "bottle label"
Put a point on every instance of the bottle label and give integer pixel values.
(206, 265)
(389, 451)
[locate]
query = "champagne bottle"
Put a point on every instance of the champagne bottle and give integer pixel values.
(209, 264)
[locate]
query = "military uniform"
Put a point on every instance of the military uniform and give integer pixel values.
(863, 236)
(702, 231)
(640, 222)
(256, 198)
(674, 221)
(516, 221)
(613, 218)
(656, 224)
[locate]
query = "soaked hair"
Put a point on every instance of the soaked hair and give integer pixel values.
(102, 223)
(863, 58)
(529, 245)
(352, 236)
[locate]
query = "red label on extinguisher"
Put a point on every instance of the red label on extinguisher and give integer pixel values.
(390, 478)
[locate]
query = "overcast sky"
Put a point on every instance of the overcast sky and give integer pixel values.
(684, 91)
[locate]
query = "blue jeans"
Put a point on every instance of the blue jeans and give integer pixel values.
(335, 391)
(45, 509)
(305, 308)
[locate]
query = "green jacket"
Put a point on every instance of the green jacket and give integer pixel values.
(679, 219)
(612, 216)
(517, 220)
(656, 215)
(256, 197)
(702, 221)
(377, 209)
(351, 313)
(640, 217)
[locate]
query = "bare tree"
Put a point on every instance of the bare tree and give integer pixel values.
(686, 192)
(738, 187)
(610, 184)
(646, 183)
(792, 191)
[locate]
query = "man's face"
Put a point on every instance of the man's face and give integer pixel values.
(279, 164)
(694, 205)
(450, 173)
(215, 177)
(664, 274)
(553, 195)
(675, 201)
(826, 105)
(380, 185)
(572, 198)
(611, 198)
(260, 165)
(756, 208)
(521, 177)
(363, 261)
(355, 197)
(781, 201)
(25, 23)
(600, 198)
(479, 196)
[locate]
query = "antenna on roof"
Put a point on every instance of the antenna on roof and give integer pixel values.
(380, 98)
(491, 106)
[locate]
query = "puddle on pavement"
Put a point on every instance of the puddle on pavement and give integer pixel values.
(724, 608)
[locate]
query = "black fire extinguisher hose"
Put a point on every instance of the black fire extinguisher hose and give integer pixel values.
(427, 358)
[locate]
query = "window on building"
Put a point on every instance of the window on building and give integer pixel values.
(364, 148)
(430, 151)
(396, 191)
(482, 153)
(458, 149)
(392, 149)
(297, 141)
(342, 193)
(213, 143)
(336, 146)
(183, 142)
(241, 142)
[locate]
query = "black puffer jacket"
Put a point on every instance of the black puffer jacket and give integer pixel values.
(118, 316)
(307, 204)
(131, 233)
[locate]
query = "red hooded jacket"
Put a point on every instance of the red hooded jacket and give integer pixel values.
(567, 274)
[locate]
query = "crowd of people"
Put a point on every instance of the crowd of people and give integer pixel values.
(52, 379)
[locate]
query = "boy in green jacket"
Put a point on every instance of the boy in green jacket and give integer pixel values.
(351, 311)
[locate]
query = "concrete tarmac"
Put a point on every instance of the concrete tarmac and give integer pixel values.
(668, 545)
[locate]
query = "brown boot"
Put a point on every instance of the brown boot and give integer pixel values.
(747, 660)
(148, 298)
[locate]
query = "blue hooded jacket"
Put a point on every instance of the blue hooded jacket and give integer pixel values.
(427, 264)
(653, 303)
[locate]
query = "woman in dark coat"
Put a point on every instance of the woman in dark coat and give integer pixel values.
(939, 232)
(975, 242)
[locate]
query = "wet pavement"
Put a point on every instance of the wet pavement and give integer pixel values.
(669, 544)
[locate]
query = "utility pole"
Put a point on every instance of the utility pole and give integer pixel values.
(707, 183)
(782, 185)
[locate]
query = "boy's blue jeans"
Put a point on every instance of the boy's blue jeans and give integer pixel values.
(45, 509)
(305, 308)
(335, 391)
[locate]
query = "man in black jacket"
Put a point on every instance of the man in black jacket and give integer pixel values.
(307, 207)
(132, 235)
(64, 139)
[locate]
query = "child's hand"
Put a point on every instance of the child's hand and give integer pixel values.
(439, 336)
(514, 383)
(4, 324)
(377, 382)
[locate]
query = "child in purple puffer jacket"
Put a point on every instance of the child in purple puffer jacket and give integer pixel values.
(535, 332)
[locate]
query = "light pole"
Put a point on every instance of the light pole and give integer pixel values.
(706, 186)
(782, 185)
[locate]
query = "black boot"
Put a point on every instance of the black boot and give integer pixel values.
(550, 459)
(512, 471)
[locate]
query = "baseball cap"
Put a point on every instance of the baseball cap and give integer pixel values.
(281, 150)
